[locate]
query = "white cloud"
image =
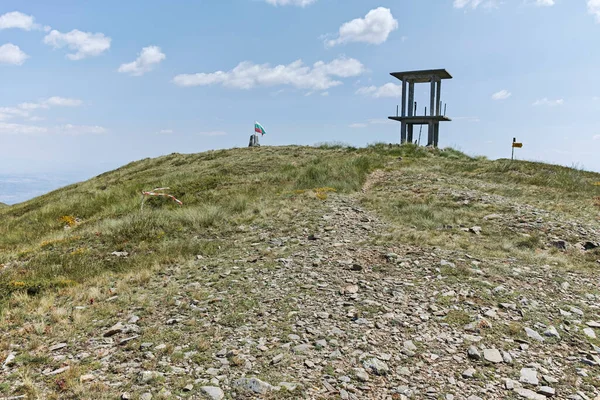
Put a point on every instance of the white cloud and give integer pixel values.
(85, 44)
(373, 121)
(596, 137)
(473, 4)
(17, 20)
(166, 131)
(593, 7)
(68, 129)
(54, 101)
(30, 106)
(301, 3)
(147, 59)
(546, 102)
(212, 133)
(374, 28)
(24, 110)
(324, 94)
(248, 75)
(544, 3)
(381, 121)
(387, 90)
(12, 54)
(501, 95)
(10, 112)
(20, 129)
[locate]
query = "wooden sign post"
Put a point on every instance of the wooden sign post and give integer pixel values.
(515, 145)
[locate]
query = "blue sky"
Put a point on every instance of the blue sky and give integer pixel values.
(89, 86)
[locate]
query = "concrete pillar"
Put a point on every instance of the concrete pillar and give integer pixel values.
(410, 133)
(438, 97)
(432, 98)
(430, 134)
(436, 134)
(411, 98)
(402, 132)
(403, 97)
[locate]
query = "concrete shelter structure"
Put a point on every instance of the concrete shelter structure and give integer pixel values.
(408, 117)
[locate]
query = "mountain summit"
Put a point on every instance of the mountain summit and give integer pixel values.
(297, 272)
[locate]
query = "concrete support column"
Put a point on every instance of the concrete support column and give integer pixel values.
(436, 134)
(430, 134)
(410, 133)
(411, 98)
(404, 89)
(438, 102)
(402, 132)
(432, 98)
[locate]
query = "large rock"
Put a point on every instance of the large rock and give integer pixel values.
(590, 245)
(560, 244)
(534, 335)
(468, 373)
(409, 345)
(57, 347)
(552, 332)
(148, 376)
(529, 394)
(113, 330)
(589, 332)
(10, 360)
(361, 374)
(492, 355)
(529, 376)
(376, 366)
(253, 385)
(212, 392)
(547, 391)
(473, 353)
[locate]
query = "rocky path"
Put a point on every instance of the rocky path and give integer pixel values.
(323, 307)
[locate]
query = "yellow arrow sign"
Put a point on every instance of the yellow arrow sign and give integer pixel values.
(517, 145)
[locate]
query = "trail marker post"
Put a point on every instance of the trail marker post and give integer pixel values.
(515, 145)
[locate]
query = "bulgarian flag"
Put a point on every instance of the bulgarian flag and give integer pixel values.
(258, 128)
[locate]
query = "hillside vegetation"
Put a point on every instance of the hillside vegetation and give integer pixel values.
(323, 272)
(68, 235)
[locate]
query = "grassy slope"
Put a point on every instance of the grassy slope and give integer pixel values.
(429, 200)
(220, 190)
(224, 189)
(425, 199)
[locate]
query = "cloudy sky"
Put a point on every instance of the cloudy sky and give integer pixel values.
(89, 86)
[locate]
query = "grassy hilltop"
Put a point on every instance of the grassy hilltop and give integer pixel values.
(345, 254)
(67, 236)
